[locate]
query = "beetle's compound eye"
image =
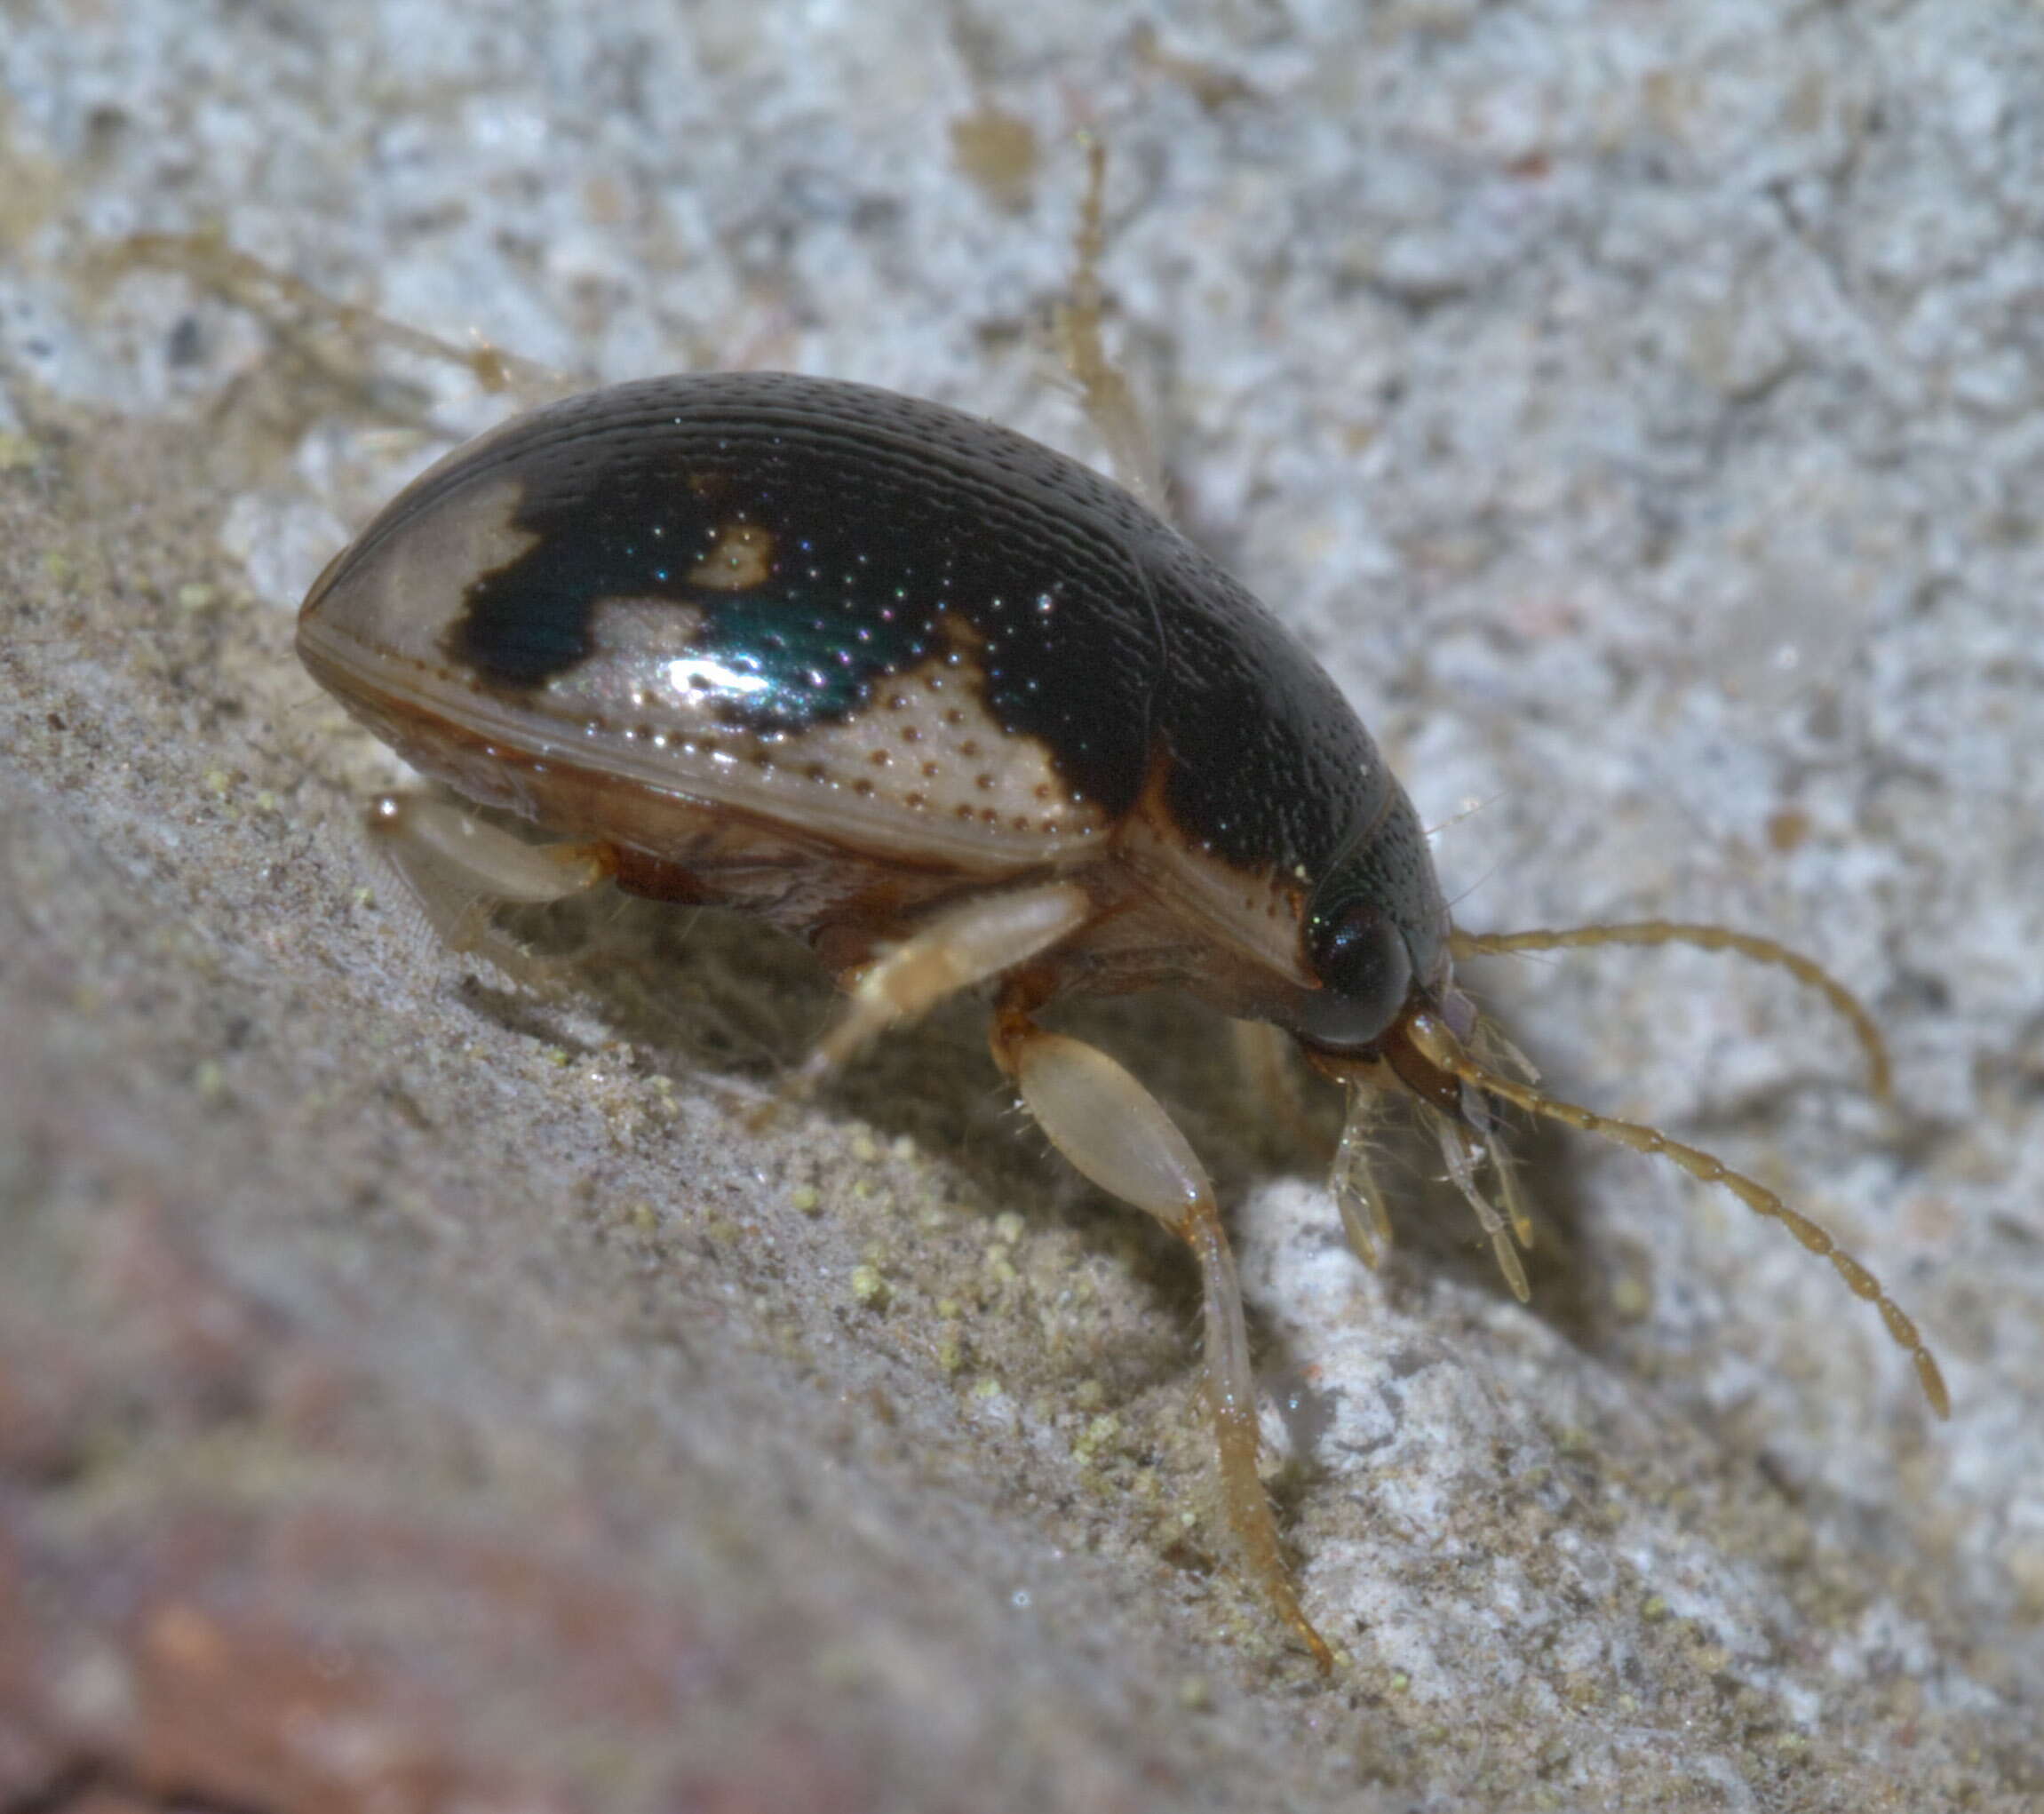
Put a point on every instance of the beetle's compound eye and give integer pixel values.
(1361, 958)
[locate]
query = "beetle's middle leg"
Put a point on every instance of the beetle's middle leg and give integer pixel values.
(1115, 1133)
(970, 943)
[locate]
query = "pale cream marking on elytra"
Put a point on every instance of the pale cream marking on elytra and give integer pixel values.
(741, 557)
(385, 616)
(650, 706)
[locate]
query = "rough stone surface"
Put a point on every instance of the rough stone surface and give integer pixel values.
(418, 1389)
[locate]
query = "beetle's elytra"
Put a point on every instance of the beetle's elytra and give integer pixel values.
(909, 642)
(958, 711)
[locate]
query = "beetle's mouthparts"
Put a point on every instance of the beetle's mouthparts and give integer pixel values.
(1413, 1046)
(1440, 1054)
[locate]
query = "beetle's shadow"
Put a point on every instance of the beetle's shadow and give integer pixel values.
(719, 1000)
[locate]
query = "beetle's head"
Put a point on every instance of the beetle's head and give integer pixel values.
(1376, 942)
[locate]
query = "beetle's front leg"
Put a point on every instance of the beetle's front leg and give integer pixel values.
(1115, 1133)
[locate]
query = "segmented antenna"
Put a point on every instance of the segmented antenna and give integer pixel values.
(1440, 1047)
(1709, 938)
(1109, 405)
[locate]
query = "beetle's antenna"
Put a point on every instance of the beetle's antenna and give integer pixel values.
(1706, 937)
(1440, 1047)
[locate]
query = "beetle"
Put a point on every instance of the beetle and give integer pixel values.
(961, 713)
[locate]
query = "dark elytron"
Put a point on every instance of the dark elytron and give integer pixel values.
(891, 530)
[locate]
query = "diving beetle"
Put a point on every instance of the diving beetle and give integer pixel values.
(962, 713)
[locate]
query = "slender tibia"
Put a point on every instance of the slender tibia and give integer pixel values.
(1709, 938)
(1440, 1047)
(1117, 1135)
(292, 306)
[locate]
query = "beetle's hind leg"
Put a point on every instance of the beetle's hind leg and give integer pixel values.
(1116, 1133)
(461, 869)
